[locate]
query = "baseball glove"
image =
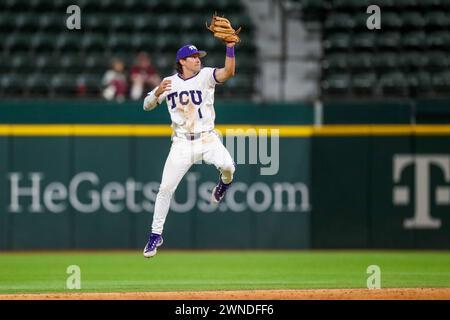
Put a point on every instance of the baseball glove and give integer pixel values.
(222, 29)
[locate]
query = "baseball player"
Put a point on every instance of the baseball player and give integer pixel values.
(189, 95)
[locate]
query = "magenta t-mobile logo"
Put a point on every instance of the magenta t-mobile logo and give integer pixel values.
(423, 195)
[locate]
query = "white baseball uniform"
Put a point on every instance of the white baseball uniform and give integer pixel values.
(191, 106)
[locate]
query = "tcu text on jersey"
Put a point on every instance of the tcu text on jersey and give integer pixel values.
(183, 97)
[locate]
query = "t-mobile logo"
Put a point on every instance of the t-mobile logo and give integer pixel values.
(401, 194)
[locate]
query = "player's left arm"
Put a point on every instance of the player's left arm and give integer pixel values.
(228, 71)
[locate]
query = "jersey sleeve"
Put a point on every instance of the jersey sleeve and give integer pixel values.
(162, 97)
(210, 74)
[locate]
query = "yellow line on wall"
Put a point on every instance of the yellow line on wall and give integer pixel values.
(239, 130)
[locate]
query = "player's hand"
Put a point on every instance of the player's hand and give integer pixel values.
(231, 44)
(166, 85)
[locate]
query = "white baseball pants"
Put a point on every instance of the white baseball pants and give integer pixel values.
(183, 154)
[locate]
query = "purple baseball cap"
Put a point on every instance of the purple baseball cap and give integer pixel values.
(188, 50)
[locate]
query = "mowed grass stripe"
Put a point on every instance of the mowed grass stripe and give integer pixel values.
(222, 270)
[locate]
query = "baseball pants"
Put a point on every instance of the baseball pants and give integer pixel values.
(183, 154)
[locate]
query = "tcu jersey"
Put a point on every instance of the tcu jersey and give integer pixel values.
(191, 101)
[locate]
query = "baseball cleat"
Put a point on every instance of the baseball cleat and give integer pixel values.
(154, 241)
(219, 191)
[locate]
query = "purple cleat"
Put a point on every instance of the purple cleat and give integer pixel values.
(219, 190)
(154, 241)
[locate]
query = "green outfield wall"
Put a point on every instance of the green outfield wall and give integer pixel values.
(85, 175)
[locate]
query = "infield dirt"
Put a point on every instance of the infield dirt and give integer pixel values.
(316, 294)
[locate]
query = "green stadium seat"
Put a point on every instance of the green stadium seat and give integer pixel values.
(96, 23)
(406, 4)
(121, 22)
(414, 59)
(17, 42)
(22, 63)
(45, 63)
(7, 22)
(145, 22)
(43, 42)
(389, 40)
(364, 41)
(168, 23)
(386, 60)
(166, 42)
(364, 83)
(413, 19)
(52, 22)
(71, 63)
(393, 83)
(437, 19)
(97, 63)
(337, 42)
(339, 21)
(338, 83)
(419, 83)
(361, 61)
(92, 83)
(438, 60)
(37, 84)
(336, 61)
(441, 82)
(68, 42)
(141, 41)
(62, 85)
(93, 42)
(415, 39)
(438, 39)
(391, 20)
(25, 22)
(12, 84)
(349, 5)
(118, 42)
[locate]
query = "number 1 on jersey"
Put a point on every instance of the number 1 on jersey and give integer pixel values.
(200, 113)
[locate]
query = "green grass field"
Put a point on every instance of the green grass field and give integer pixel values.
(216, 270)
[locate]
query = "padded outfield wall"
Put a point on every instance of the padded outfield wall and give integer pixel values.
(85, 175)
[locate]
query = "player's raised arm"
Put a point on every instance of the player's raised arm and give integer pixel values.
(228, 71)
(151, 100)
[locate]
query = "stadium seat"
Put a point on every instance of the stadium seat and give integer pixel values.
(361, 61)
(391, 20)
(414, 59)
(12, 84)
(118, 42)
(337, 42)
(389, 40)
(339, 21)
(17, 42)
(437, 19)
(145, 22)
(414, 40)
(92, 42)
(419, 83)
(43, 42)
(438, 60)
(51, 22)
(364, 41)
(386, 60)
(25, 22)
(413, 20)
(364, 83)
(438, 39)
(62, 85)
(37, 84)
(68, 42)
(338, 83)
(121, 23)
(96, 23)
(393, 83)
(333, 62)
(441, 82)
